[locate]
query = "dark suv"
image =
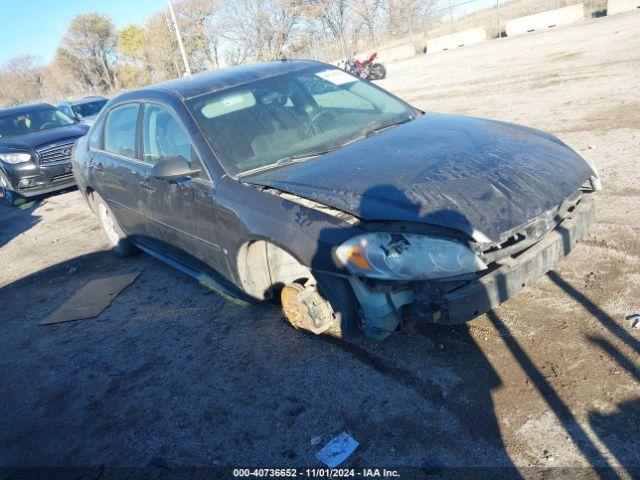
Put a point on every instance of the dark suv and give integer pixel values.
(35, 150)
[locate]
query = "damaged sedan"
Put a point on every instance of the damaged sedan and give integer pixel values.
(296, 180)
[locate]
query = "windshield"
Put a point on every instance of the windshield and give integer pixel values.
(23, 123)
(88, 109)
(268, 122)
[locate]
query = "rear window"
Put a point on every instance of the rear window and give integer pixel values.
(89, 109)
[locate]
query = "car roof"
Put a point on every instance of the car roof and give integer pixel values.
(209, 82)
(24, 108)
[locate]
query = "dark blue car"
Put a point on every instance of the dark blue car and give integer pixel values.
(297, 179)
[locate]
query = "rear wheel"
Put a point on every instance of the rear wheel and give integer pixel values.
(323, 305)
(121, 246)
(378, 72)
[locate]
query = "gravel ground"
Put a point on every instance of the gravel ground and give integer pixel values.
(172, 376)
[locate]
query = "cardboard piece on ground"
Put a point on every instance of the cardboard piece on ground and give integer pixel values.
(91, 299)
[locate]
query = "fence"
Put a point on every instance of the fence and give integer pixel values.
(446, 18)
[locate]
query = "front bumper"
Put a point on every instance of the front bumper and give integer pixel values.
(453, 302)
(489, 291)
(42, 179)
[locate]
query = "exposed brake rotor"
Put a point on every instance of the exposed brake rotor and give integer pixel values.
(305, 308)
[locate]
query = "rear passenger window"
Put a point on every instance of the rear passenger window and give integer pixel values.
(120, 130)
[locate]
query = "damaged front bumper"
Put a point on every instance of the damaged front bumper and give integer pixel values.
(452, 302)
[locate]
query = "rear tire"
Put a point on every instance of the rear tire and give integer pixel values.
(120, 245)
(378, 72)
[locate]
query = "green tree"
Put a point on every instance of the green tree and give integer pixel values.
(88, 49)
(133, 69)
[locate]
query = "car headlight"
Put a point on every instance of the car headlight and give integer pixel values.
(405, 256)
(15, 157)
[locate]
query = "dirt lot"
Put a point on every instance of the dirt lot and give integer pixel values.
(173, 376)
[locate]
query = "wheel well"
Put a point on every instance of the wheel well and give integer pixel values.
(264, 268)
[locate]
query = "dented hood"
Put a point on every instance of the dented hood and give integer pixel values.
(477, 176)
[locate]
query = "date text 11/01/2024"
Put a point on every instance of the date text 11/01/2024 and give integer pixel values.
(316, 473)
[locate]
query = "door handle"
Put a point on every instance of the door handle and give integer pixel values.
(96, 166)
(147, 186)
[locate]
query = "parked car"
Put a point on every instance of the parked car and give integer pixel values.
(35, 150)
(85, 109)
(300, 180)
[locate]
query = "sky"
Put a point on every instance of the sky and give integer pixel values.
(35, 27)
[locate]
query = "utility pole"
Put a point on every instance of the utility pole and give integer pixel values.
(179, 37)
(312, 47)
(498, 8)
(450, 16)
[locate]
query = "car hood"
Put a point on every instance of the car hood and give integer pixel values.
(481, 177)
(36, 139)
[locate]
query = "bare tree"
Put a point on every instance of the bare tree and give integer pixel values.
(264, 29)
(407, 17)
(201, 27)
(367, 13)
(161, 47)
(333, 15)
(94, 58)
(62, 78)
(21, 80)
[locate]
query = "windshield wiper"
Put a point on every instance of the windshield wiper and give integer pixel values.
(298, 157)
(380, 128)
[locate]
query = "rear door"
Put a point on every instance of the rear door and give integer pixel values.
(183, 213)
(117, 167)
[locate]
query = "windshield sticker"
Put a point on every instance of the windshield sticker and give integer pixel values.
(337, 77)
(228, 104)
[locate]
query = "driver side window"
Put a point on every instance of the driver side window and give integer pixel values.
(164, 137)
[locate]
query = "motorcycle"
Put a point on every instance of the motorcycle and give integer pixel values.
(366, 68)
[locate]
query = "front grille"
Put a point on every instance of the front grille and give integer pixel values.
(55, 154)
(521, 238)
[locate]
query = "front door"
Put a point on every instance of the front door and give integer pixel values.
(182, 212)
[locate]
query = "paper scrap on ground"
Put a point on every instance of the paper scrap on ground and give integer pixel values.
(337, 450)
(634, 320)
(91, 299)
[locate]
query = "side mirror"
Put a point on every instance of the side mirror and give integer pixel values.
(173, 168)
